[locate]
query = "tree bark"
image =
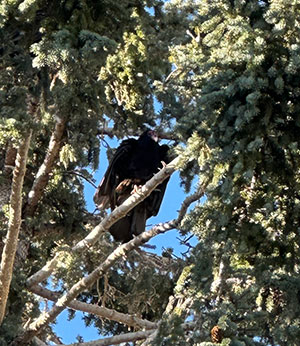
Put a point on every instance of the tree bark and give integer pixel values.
(42, 176)
(14, 224)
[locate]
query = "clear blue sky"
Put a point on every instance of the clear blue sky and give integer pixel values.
(171, 203)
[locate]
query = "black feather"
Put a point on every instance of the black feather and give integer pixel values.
(134, 162)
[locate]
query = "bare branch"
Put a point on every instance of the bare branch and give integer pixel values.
(14, 223)
(116, 340)
(108, 221)
(35, 327)
(99, 311)
(191, 199)
(81, 176)
(42, 176)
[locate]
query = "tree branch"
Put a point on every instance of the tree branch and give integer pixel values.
(116, 340)
(99, 311)
(81, 176)
(14, 223)
(38, 342)
(108, 221)
(42, 176)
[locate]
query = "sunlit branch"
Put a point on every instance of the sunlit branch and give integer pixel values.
(14, 223)
(86, 282)
(99, 311)
(116, 340)
(43, 174)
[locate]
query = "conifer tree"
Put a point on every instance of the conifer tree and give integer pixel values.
(235, 85)
(226, 76)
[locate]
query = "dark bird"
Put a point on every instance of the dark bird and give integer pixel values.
(134, 162)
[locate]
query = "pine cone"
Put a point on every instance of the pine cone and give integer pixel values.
(216, 335)
(278, 299)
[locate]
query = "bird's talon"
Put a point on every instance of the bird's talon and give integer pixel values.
(163, 164)
(136, 188)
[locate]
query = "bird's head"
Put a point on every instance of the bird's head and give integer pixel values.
(153, 135)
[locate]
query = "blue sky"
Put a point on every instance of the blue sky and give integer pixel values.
(174, 196)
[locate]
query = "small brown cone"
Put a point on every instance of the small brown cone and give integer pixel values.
(216, 335)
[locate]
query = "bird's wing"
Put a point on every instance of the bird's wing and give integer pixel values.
(153, 202)
(105, 193)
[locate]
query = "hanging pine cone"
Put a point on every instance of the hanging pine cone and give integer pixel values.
(216, 335)
(278, 299)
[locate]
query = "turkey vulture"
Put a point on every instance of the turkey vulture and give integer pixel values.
(134, 162)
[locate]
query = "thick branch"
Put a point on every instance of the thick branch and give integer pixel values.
(99, 311)
(108, 221)
(14, 224)
(42, 176)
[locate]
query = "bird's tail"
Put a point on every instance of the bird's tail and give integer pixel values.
(139, 217)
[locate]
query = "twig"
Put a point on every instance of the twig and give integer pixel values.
(82, 176)
(99, 311)
(14, 224)
(42, 176)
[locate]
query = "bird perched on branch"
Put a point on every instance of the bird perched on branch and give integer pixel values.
(134, 162)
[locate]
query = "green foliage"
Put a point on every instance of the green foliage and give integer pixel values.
(170, 333)
(22, 306)
(226, 76)
(240, 76)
